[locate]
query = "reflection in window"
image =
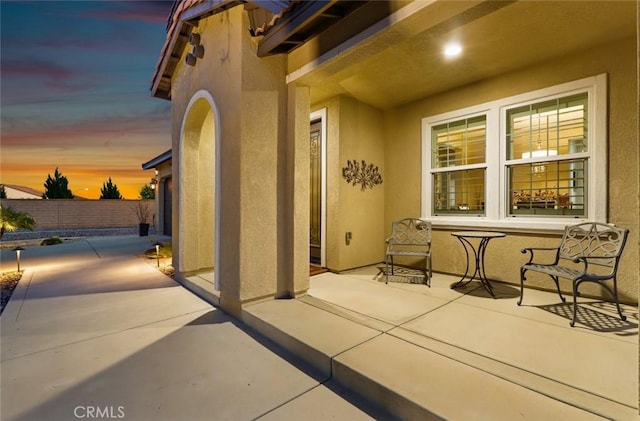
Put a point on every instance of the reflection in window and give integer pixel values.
(556, 190)
(458, 149)
(547, 129)
(459, 192)
(545, 134)
(461, 142)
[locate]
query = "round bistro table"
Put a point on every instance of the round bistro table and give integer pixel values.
(465, 238)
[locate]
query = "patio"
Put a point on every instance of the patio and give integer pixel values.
(460, 354)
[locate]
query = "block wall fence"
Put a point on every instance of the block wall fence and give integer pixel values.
(70, 213)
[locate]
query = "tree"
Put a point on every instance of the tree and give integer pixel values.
(57, 187)
(109, 190)
(147, 192)
(11, 220)
(3, 192)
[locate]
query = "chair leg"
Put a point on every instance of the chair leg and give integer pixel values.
(614, 293)
(555, 279)
(386, 272)
(615, 297)
(429, 271)
(522, 279)
(575, 303)
(427, 280)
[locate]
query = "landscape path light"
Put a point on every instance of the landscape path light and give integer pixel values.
(18, 249)
(158, 244)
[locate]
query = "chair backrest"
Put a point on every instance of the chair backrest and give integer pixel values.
(594, 239)
(410, 232)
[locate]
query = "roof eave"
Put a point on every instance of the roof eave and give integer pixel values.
(177, 37)
(154, 162)
(161, 73)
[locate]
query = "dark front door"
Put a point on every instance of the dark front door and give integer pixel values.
(315, 199)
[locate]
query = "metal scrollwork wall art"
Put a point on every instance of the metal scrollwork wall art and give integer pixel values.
(367, 175)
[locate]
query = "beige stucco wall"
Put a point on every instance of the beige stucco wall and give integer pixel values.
(403, 165)
(354, 132)
(249, 109)
(263, 134)
(55, 214)
(220, 37)
(293, 197)
(211, 77)
(206, 193)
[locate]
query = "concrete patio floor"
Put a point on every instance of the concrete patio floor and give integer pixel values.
(459, 354)
(93, 325)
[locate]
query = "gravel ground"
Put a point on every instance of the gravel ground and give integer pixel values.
(79, 232)
(12, 239)
(8, 283)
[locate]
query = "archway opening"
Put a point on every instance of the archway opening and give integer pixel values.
(197, 195)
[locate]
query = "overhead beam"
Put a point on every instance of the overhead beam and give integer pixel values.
(295, 20)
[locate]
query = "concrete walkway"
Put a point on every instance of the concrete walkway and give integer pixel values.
(93, 331)
(437, 353)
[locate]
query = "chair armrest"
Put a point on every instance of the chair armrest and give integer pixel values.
(532, 250)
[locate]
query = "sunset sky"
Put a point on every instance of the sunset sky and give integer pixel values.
(74, 82)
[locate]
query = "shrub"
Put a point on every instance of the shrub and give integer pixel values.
(51, 241)
(12, 220)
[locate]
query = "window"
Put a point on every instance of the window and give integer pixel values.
(525, 161)
(458, 151)
(551, 137)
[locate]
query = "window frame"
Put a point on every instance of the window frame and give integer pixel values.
(498, 199)
(462, 167)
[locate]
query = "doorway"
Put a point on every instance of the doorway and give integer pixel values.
(167, 198)
(317, 188)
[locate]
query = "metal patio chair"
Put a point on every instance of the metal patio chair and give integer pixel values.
(594, 249)
(410, 237)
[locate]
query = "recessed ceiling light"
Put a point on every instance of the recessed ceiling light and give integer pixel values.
(452, 50)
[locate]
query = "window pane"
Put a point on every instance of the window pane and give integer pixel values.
(459, 192)
(552, 188)
(459, 142)
(549, 128)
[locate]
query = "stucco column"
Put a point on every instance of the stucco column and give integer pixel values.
(293, 251)
(251, 181)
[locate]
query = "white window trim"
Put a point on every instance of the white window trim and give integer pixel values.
(496, 174)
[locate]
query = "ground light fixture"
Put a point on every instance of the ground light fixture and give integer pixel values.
(18, 249)
(157, 244)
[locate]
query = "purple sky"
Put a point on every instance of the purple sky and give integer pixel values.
(75, 79)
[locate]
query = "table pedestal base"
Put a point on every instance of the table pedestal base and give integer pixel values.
(478, 255)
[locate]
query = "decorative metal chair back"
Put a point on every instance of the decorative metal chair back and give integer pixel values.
(593, 240)
(410, 232)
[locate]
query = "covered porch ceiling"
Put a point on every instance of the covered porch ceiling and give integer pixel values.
(404, 61)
